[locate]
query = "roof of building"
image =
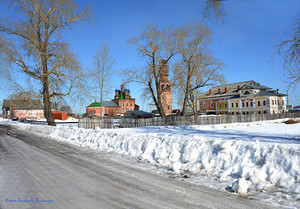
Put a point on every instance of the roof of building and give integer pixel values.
(227, 90)
(231, 90)
(105, 104)
(255, 87)
(269, 93)
(22, 104)
(138, 114)
(109, 104)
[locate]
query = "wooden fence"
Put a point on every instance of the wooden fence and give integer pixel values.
(92, 123)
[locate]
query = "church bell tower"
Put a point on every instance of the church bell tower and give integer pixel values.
(165, 86)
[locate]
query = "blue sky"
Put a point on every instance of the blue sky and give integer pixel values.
(244, 42)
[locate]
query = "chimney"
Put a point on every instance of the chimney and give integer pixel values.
(209, 91)
(239, 87)
(225, 89)
(219, 90)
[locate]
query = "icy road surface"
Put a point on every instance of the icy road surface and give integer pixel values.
(37, 172)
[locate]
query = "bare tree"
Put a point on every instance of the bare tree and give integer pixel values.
(103, 70)
(157, 48)
(214, 9)
(197, 66)
(34, 46)
(289, 50)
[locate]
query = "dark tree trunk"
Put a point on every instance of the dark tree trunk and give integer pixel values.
(186, 95)
(47, 103)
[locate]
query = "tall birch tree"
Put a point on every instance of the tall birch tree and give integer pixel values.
(197, 67)
(103, 70)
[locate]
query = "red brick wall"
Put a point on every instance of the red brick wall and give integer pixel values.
(29, 114)
(60, 115)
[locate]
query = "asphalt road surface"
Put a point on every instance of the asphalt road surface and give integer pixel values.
(38, 172)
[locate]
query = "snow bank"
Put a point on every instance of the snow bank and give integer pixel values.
(250, 158)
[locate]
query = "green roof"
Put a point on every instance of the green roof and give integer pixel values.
(95, 104)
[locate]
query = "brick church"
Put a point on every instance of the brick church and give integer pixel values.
(122, 103)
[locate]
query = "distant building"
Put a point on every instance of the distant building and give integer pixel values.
(138, 114)
(27, 109)
(247, 97)
(22, 109)
(122, 103)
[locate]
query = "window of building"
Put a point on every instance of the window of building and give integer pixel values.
(246, 92)
(247, 104)
(232, 104)
(220, 105)
(211, 104)
(236, 104)
(258, 103)
(94, 111)
(243, 104)
(251, 104)
(127, 104)
(130, 104)
(225, 105)
(264, 102)
(282, 102)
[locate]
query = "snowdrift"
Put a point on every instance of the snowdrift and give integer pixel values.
(250, 158)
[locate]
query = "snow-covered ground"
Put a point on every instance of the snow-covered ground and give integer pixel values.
(258, 160)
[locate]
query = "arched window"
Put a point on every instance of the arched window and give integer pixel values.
(264, 102)
(258, 103)
(246, 92)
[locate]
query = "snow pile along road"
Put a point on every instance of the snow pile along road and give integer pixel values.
(250, 158)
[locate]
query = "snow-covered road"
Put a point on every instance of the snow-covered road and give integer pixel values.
(38, 172)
